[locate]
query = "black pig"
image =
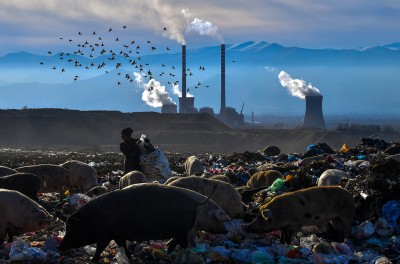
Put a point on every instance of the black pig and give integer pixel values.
(26, 183)
(141, 212)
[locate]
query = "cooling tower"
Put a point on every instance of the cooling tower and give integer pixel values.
(313, 117)
(223, 104)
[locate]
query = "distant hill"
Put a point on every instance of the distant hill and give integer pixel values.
(195, 133)
(353, 81)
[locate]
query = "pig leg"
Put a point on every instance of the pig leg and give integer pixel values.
(2, 238)
(337, 224)
(286, 234)
(100, 246)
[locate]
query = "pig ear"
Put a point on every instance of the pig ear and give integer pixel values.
(266, 214)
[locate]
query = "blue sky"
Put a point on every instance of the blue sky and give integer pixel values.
(37, 25)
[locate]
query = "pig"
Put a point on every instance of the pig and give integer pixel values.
(220, 177)
(333, 177)
(20, 214)
(26, 183)
(83, 176)
(4, 171)
(96, 191)
(140, 212)
(321, 206)
(193, 166)
(225, 195)
(54, 178)
(171, 179)
(263, 178)
(132, 177)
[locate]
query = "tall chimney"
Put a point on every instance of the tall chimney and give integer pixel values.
(183, 71)
(223, 104)
(313, 117)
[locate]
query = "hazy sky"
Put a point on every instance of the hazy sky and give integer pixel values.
(37, 25)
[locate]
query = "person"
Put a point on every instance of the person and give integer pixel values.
(131, 151)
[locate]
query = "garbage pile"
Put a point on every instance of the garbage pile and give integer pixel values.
(370, 171)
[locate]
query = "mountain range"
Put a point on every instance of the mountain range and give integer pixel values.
(360, 81)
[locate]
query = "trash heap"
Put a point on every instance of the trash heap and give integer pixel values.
(373, 169)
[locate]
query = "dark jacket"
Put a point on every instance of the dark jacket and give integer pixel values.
(131, 152)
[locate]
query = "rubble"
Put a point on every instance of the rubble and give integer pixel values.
(375, 236)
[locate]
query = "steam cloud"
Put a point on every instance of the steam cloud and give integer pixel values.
(154, 93)
(297, 87)
(178, 92)
(202, 27)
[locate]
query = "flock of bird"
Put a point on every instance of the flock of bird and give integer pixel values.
(92, 46)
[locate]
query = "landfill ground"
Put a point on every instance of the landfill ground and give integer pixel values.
(375, 236)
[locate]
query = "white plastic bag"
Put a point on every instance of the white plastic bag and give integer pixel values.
(155, 164)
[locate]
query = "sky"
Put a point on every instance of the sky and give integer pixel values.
(37, 25)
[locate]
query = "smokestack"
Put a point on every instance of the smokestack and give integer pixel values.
(313, 117)
(223, 105)
(183, 71)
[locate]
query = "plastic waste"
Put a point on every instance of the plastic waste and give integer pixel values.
(383, 228)
(121, 257)
(277, 185)
(262, 257)
(200, 248)
(342, 248)
(309, 242)
(364, 230)
(155, 164)
(157, 254)
(79, 199)
(243, 255)
(20, 251)
(391, 212)
(217, 256)
(51, 243)
(89, 250)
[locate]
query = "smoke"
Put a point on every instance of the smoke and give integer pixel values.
(163, 17)
(202, 27)
(177, 92)
(297, 87)
(270, 69)
(154, 93)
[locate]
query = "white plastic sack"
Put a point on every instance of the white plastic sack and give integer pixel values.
(155, 164)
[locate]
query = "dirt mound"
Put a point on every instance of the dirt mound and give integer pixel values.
(197, 133)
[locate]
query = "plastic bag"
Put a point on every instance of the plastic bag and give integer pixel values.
(20, 251)
(391, 212)
(155, 164)
(79, 199)
(277, 185)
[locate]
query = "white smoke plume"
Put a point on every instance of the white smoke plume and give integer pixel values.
(178, 92)
(297, 87)
(154, 93)
(202, 27)
(160, 14)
